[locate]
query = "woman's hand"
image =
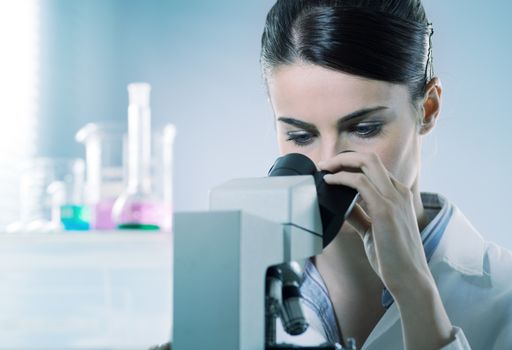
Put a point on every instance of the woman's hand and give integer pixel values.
(389, 226)
(389, 229)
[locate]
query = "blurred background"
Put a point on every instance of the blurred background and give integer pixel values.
(66, 63)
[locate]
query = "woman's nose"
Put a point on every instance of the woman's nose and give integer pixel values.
(330, 149)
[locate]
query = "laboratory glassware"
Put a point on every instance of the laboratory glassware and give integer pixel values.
(163, 168)
(138, 207)
(42, 185)
(67, 198)
(104, 149)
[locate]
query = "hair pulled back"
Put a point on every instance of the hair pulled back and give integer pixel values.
(387, 40)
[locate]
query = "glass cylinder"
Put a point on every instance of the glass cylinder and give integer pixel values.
(163, 169)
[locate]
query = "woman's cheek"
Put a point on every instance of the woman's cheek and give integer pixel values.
(400, 162)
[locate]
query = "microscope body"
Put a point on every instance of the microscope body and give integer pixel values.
(221, 257)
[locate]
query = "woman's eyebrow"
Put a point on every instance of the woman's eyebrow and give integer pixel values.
(359, 114)
(298, 123)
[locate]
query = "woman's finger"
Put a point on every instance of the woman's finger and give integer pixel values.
(401, 188)
(369, 163)
(360, 221)
(361, 183)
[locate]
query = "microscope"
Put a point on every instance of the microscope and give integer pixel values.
(237, 267)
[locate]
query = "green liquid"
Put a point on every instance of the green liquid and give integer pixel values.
(144, 227)
(75, 217)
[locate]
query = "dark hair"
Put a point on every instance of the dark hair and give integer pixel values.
(387, 40)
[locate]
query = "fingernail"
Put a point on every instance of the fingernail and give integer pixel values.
(327, 177)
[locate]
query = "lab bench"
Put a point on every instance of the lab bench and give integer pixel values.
(85, 290)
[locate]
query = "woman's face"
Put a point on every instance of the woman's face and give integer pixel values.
(321, 112)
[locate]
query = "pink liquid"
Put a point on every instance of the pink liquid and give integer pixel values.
(102, 215)
(147, 213)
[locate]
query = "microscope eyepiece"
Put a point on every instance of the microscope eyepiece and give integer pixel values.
(292, 164)
(335, 201)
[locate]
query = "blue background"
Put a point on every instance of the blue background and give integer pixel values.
(201, 58)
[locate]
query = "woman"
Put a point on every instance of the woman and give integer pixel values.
(407, 270)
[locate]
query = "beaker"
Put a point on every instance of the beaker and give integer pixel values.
(67, 199)
(104, 149)
(39, 203)
(138, 207)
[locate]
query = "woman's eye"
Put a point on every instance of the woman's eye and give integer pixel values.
(367, 130)
(300, 138)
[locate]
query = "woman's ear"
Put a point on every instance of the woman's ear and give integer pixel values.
(431, 105)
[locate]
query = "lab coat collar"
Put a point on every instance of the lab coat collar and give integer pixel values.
(461, 247)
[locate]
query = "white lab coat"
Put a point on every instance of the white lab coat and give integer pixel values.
(474, 278)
